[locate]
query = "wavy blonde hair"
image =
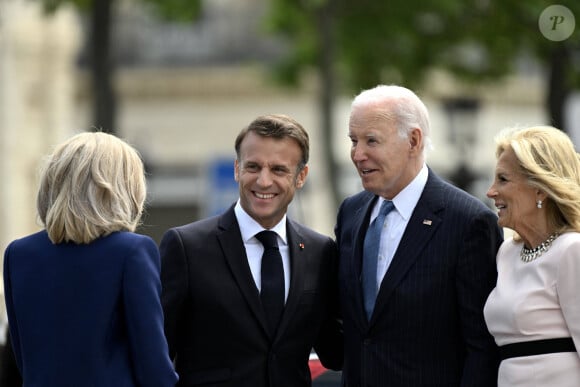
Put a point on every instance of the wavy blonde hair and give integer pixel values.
(550, 163)
(91, 185)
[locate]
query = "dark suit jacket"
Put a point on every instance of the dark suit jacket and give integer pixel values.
(214, 321)
(87, 315)
(9, 373)
(427, 328)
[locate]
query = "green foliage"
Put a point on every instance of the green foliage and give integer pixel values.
(400, 41)
(177, 10)
(296, 23)
(52, 5)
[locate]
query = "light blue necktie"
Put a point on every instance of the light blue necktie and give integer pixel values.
(370, 257)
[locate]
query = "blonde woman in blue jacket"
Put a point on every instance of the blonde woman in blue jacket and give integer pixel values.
(83, 295)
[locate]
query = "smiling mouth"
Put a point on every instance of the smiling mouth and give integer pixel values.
(264, 196)
(366, 171)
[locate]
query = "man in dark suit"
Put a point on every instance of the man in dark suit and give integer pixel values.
(412, 294)
(9, 373)
(220, 327)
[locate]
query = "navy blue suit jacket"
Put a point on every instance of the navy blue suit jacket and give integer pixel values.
(214, 320)
(87, 315)
(427, 328)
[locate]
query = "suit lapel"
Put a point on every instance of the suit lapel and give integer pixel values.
(422, 225)
(298, 252)
(232, 245)
(361, 217)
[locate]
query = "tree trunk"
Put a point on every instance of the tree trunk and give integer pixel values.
(325, 16)
(104, 99)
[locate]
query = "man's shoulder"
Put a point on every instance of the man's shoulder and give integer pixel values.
(465, 201)
(455, 197)
(309, 232)
(201, 227)
(358, 198)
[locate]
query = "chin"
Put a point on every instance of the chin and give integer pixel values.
(503, 224)
(368, 186)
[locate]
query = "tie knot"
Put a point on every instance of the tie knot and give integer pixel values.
(386, 207)
(268, 239)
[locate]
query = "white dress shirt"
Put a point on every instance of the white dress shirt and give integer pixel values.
(254, 249)
(397, 220)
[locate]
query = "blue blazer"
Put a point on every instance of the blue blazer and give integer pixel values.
(87, 315)
(427, 328)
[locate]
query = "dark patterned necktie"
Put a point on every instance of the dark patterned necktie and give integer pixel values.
(370, 258)
(272, 292)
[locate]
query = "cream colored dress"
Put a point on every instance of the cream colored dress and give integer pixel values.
(537, 300)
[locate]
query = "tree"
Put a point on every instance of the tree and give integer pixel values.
(100, 58)
(377, 41)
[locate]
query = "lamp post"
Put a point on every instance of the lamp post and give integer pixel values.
(461, 115)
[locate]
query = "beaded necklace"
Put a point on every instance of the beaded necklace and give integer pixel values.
(528, 255)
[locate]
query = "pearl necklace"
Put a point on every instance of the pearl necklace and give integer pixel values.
(528, 255)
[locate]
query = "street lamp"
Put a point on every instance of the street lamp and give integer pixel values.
(461, 115)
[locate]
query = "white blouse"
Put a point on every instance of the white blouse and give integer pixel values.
(537, 300)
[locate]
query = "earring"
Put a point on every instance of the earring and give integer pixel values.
(539, 204)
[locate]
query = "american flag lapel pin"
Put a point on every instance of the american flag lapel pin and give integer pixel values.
(427, 222)
(301, 245)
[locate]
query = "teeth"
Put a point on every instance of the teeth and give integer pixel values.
(264, 196)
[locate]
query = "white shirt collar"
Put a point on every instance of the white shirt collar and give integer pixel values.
(406, 200)
(249, 227)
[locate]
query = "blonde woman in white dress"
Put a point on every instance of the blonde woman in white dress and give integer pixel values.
(534, 311)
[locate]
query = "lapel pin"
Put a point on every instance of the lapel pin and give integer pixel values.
(427, 222)
(301, 245)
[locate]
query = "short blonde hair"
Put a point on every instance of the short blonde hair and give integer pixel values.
(91, 185)
(550, 163)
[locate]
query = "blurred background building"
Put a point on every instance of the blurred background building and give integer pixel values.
(184, 89)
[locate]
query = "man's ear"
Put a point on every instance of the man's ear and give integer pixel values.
(301, 178)
(416, 139)
(236, 170)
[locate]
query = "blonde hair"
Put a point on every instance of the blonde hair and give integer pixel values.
(91, 185)
(550, 163)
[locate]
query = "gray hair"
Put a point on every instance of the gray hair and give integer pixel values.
(401, 106)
